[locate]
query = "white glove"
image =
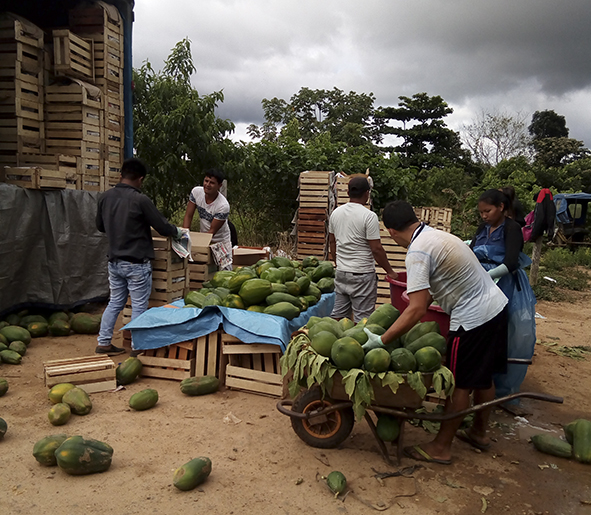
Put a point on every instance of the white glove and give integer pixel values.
(499, 271)
(374, 341)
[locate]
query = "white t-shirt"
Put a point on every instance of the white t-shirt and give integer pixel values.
(447, 267)
(353, 225)
(218, 209)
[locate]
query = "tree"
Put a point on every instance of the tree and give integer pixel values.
(547, 124)
(494, 137)
(426, 140)
(347, 117)
(177, 133)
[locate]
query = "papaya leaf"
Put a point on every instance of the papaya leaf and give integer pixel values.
(317, 365)
(415, 381)
(359, 411)
(350, 381)
(393, 380)
(381, 375)
(293, 388)
(372, 375)
(332, 371)
(437, 382)
(363, 390)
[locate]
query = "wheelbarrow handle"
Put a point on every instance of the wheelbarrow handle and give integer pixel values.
(519, 361)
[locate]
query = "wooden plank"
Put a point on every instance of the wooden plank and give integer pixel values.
(213, 353)
(155, 361)
(250, 348)
(256, 375)
(101, 386)
(85, 376)
(164, 373)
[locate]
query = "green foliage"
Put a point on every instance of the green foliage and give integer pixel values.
(427, 142)
(177, 133)
(347, 117)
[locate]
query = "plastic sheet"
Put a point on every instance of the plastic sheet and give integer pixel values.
(51, 254)
(159, 327)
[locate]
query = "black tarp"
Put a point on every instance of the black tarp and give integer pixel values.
(51, 254)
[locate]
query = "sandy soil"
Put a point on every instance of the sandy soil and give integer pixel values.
(260, 465)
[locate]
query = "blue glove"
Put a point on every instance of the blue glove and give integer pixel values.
(374, 341)
(499, 271)
(179, 233)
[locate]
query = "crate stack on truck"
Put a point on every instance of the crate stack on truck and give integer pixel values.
(61, 100)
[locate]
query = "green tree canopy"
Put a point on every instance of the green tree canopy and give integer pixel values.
(347, 117)
(426, 140)
(177, 133)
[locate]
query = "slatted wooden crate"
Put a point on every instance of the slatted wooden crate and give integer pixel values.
(73, 93)
(98, 20)
(252, 367)
(15, 28)
(312, 232)
(210, 360)
(73, 55)
(342, 190)
(396, 256)
(436, 217)
(13, 128)
(91, 373)
(314, 189)
(74, 147)
(31, 57)
(24, 177)
(175, 361)
(200, 273)
(73, 114)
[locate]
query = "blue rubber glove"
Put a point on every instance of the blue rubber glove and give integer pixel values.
(374, 341)
(499, 271)
(179, 233)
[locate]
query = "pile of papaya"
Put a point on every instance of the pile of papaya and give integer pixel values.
(420, 349)
(278, 286)
(58, 323)
(577, 443)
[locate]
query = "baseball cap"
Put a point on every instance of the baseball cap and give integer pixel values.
(358, 186)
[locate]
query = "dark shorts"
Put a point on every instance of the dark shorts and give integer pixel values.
(474, 356)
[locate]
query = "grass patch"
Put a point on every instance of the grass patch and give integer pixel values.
(567, 280)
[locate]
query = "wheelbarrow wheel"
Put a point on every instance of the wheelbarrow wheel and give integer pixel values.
(324, 431)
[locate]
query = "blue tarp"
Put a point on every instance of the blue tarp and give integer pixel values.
(159, 327)
(562, 206)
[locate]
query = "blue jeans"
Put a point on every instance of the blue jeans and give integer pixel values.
(125, 279)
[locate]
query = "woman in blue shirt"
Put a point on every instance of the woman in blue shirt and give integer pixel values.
(498, 245)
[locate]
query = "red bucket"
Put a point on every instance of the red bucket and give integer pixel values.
(399, 299)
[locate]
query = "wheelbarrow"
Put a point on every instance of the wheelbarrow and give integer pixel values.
(326, 422)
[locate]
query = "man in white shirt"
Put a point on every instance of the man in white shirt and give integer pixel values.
(440, 266)
(354, 240)
(213, 209)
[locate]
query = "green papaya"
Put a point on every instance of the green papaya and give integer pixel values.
(59, 328)
(85, 323)
(204, 385)
(10, 357)
(143, 400)
(192, 474)
(44, 449)
(59, 414)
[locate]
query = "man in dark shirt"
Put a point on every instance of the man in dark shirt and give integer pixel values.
(126, 215)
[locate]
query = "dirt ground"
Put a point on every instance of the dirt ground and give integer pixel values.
(259, 464)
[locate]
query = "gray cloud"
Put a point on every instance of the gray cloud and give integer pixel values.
(507, 55)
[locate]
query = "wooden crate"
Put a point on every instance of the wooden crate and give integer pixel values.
(252, 367)
(91, 373)
(74, 147)
(73, 56)
(55, 131)
(170, 280)
(18, 95)
(72, 93)
(13, 128)
(60, 162)
(175, 361)
(74, 113)
(314, 189)
(15, 28)
(210, 360)
(21, 145)
(396, 255)
(25, 177)
(312, 232)
(201, 272)
(31, 57)
(342, 190)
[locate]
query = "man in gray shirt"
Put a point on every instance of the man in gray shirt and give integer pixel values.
(354, 242)
(126, 215)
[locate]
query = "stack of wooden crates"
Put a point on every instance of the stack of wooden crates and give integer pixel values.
(313, 213)
(61, 106)
(22, 76)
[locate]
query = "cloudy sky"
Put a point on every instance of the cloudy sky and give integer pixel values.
(509, 56)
